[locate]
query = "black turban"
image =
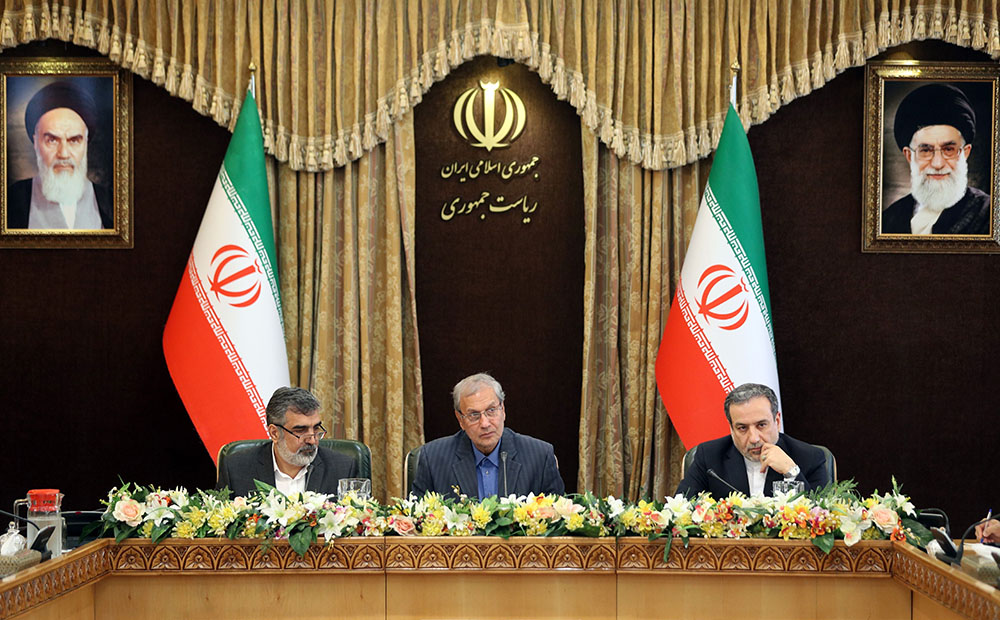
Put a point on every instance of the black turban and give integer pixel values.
(934, 104)
(60, 95)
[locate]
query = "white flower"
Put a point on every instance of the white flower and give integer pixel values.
(565, 507)
(129, 511)
(158, 515)
(179, 496)
(335, 522)
(615, 506)
(455, 520)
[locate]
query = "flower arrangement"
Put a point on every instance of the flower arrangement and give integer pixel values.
(822, 516)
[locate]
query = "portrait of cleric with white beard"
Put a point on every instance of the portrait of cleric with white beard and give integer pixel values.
(62, 176)
(934, 128)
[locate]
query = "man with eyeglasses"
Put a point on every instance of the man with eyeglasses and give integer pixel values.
(484, 458)
(934, 128)
(293, 461)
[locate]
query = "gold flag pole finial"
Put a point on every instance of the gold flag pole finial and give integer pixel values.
(253, 78)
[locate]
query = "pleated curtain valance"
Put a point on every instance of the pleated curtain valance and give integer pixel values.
(649, 77)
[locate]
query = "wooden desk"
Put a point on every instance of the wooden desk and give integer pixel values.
(490, 578)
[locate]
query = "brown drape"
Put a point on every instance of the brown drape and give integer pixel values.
(345, 240)
(337, 78)
(649, 77)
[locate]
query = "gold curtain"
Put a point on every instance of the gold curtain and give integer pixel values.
(633, 251)
(649, 77)
(345, 241)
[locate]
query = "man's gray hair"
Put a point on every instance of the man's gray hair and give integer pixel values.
(747, 392)
(287, 399)
(472, 384)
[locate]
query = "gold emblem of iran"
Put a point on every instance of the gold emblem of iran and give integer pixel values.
(489, 137)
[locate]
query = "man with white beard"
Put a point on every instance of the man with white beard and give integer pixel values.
(59, 120)
(293, 461)
(934, 128)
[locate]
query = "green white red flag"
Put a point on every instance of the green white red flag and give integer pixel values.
(224, 342)
(718, 333)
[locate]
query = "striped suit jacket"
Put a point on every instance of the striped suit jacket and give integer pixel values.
(450, 462)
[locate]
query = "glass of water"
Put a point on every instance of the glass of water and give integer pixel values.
(360, 488)
(787, 487)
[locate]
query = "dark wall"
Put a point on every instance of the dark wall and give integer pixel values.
(85, 393)
(888, 359)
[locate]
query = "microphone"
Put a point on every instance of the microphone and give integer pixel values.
(503, 459)
(951, 554)
(711, 472)
(309, 471)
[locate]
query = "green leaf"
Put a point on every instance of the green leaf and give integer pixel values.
(124, 533)
(916, 534)
(301, 539)
(666, 548)
(235, 528)
(824, 542)
(161, 531)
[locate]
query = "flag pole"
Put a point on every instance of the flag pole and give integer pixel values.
(253, 80)
(735, 69)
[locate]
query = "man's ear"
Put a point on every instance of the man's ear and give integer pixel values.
(908, 154)
(777, 419)
(273, 431)
(967, 149)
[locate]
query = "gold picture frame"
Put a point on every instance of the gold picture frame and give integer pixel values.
(906, 184)
(80, 144)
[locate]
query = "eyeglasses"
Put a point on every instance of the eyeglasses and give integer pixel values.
(474, 416)
(925, 152)
(317, 434)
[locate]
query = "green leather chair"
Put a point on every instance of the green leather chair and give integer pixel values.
(355, 450)
(410, 469)
(831, 462)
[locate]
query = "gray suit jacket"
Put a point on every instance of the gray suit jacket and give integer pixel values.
(450, 462)
(240, 470)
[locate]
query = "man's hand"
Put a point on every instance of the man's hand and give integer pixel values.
(989, 532)
(774, 457)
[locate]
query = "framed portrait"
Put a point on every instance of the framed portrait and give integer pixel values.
(931, 180)
(66, 135)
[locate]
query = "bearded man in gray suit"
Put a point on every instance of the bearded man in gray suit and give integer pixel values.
(484, 458)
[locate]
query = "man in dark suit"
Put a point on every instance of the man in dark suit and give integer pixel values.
(484, 458)
(755, 454)
(293, 461)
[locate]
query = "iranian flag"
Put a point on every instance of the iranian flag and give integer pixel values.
(223, 341)
(718, 333)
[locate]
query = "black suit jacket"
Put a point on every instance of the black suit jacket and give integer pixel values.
(240, 470)
(450, 462)
(722, 456)
(19, 204)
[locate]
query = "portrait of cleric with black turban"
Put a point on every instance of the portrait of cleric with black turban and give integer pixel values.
(937, 159)
(59, 170)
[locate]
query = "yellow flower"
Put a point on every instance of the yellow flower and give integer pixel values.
(185, 529)
(147, 529)
(481, 516)
(431, 527)
(574, 522)
(196, 516)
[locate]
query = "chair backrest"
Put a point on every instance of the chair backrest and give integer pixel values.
(831, 462)
(410, 469)
(688, 459)
(355, 450)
